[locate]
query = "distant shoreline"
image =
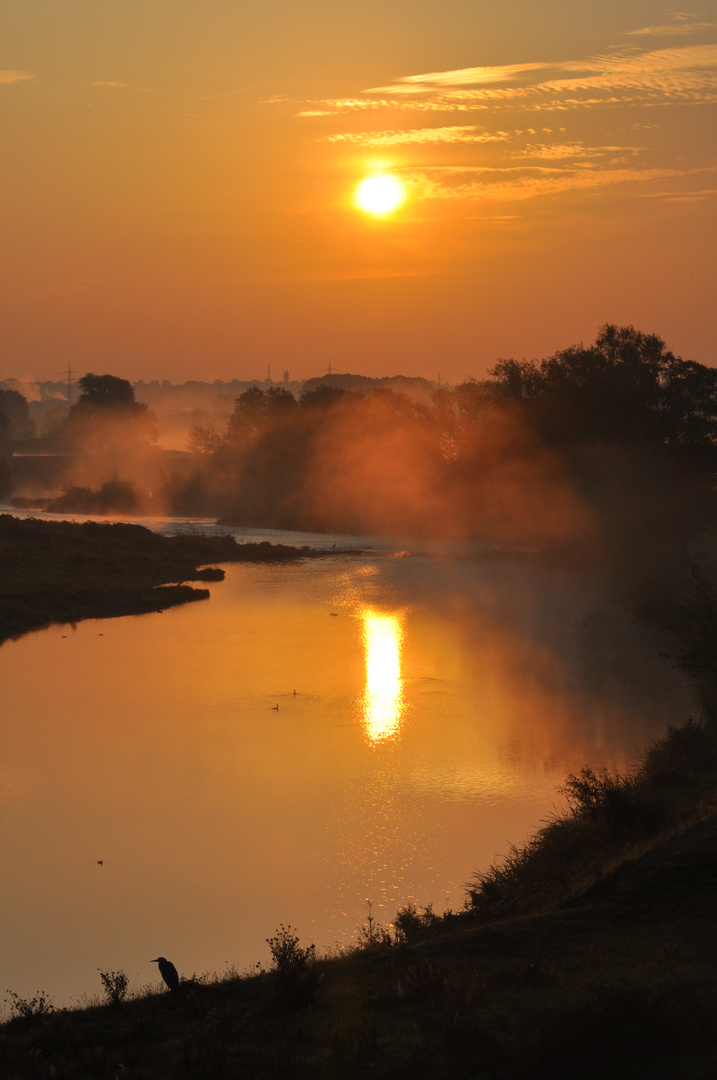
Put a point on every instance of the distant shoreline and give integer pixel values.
(64, 572)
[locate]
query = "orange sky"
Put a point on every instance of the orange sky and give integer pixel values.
(178, 180)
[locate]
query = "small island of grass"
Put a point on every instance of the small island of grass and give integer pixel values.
(62, 572)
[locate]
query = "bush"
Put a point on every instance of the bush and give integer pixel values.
(413, 925)
(115, 496)
(608, 819)
(286, 953)
(37, 1008)
(620, 803)
(116, 984)
(372, 935)
(295, 965)
(697, 630)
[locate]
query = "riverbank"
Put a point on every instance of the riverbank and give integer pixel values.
(615, 978)
(62, 572)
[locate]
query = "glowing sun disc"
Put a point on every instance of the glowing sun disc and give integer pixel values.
(379, 194)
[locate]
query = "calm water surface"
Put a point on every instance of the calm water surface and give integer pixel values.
(428, 708)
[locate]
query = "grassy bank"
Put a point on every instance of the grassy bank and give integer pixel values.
(62, 572)
(606, 972)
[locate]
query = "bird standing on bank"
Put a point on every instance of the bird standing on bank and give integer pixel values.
(168, 972)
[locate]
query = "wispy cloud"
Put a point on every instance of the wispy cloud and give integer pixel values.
(466, 133)
(671, 29)
(330, 106)
(496, 219)
(9, 78)
(679, 72)
(681, 196)
(472, 76)
(109, 83)
(518, 185)
(681, 23)
(684, 74)
(573, 151)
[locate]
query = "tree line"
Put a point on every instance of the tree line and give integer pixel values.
(603, 444)
(619, 436)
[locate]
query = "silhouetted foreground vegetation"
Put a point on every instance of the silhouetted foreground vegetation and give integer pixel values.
(606, 971)
(60, 571)
(610, 819)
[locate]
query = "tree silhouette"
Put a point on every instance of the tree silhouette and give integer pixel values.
(15, 408)
(106, 392)
(106, 400)
(626, 388)
(255, 411)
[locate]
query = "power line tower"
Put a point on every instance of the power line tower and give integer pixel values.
(70, 384)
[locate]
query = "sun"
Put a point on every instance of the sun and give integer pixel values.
(379, 194)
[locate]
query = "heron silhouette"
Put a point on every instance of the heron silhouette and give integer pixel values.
(168, 972)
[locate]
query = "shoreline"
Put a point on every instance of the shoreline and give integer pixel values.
(63, 572)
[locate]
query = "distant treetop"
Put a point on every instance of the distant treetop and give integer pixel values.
(106, 391)
(107, 400)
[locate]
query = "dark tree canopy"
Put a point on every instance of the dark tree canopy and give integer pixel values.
(255, 410)
(106, 391)
(107, 400)
(15, 408)
(14, 405)
(324, 396)
(627, 387)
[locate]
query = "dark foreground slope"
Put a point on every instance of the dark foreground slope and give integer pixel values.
(60, 571)
(615, 980)
(618, 986)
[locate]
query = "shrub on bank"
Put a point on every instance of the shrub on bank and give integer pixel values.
(609, 819)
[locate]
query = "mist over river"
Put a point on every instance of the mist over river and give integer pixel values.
(315, 735)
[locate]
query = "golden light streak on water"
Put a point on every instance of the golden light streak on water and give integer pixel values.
(382, 702)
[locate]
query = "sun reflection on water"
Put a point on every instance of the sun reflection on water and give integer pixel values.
(382, 702)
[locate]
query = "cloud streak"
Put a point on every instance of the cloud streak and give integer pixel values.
(465, 133)
(681, 25)
(10, 78)
(519, 185)
(686, 75)
(677, 73)
(573, 151)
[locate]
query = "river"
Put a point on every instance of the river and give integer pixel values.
(314, 736)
